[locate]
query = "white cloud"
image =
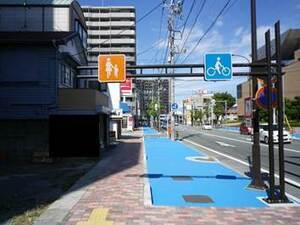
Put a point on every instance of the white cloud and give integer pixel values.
(238, 31)
(219, 23)
(298, 6)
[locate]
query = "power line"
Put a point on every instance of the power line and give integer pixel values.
(151, 11)
(160, 31)
(191, 30)
(188, 16)
(159, 36)
(163, 56)
(151, 47)
(229, 7)
(207, 30)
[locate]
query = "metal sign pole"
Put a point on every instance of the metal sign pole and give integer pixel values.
(271, 196)
(280, 115)
(257, 181)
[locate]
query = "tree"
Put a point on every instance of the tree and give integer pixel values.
(198, 115)
(292, 108)
(154, 109)
(225, 96)
(224, 101)
(207, 110)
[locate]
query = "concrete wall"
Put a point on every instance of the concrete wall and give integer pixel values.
(19, 139)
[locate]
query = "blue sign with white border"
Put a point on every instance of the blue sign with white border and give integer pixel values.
(217, 66)
(174, 106)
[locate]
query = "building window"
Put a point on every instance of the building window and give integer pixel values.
(66, 76)
(82, 33)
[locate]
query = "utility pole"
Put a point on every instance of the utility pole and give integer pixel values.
(159, 105)
(175, 10)
(257, 181)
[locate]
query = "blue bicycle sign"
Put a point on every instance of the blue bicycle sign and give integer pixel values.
(218, 66)
(174, 106)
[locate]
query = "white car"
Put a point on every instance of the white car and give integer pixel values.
(207, 127)
(264, 134)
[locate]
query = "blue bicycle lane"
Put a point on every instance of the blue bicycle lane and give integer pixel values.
(174, 179)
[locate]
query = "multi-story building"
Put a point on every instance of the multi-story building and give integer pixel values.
(112, 30)
(290, 45)
(148, 90)
(42, 110)
(202, 100)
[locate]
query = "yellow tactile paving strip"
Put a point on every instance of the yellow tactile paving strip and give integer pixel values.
(97, 217)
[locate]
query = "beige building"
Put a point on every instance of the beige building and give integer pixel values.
(291, 82)
(198, 101)
(291, 78)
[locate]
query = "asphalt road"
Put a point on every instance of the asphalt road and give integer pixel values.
(239, 147)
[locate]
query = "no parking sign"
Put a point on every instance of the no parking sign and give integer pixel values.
(262, 97)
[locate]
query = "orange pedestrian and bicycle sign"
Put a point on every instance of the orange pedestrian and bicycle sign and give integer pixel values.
(112, 68)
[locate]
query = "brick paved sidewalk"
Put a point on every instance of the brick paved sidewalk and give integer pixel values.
(118, 188)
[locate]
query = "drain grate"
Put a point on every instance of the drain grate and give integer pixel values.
(182, 178)
(197, 198)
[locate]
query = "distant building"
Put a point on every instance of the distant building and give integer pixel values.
(42, 110)
(202, 100)
(148, 90)
(112, 30)
(231, 113)
(290, 45)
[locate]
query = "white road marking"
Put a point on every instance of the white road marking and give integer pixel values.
(247, 142)
(288, 180)
(224, 144)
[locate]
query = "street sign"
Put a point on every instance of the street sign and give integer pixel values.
(111, 68)
(174, 106)
(126, 87)
(217, 66)
(262, 97)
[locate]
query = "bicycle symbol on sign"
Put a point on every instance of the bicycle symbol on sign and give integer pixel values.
(219, 68)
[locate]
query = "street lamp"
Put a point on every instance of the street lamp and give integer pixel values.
(248, 60)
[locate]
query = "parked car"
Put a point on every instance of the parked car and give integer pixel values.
(264, 134)
(244, 129)
(207, 127)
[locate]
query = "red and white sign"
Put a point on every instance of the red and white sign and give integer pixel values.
(126, 87)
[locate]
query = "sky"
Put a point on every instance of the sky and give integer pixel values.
(231, 33)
